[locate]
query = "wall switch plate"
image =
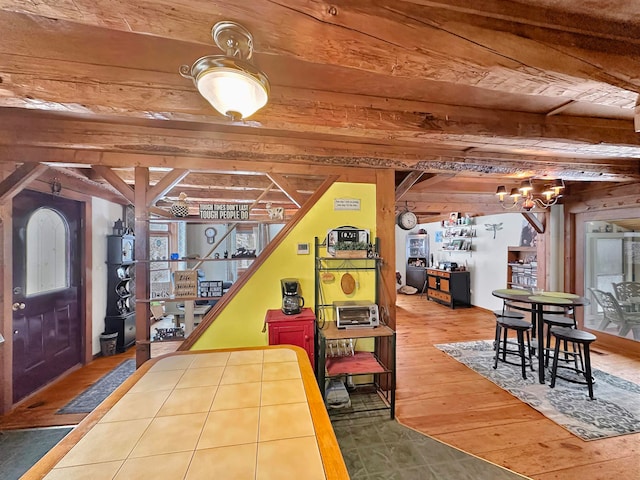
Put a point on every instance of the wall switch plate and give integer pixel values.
(303, 249)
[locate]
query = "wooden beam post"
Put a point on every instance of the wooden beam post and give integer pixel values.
(141, 229)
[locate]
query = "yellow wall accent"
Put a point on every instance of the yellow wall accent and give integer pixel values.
(240, 323)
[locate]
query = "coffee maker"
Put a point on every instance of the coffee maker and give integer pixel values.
(292, 302)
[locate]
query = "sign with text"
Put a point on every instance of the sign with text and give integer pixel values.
(224, 211)
(346, 204)
(185, 283)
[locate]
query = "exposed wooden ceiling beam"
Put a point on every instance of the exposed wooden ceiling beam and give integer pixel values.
(413, 122)
(406, 183)
(532, 219)
(144, 144)
(166, 183)
(117, 183)
(19, 179)
(371, 38)
(287, 188)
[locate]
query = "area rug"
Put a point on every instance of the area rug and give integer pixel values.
(614, 411)
(96, 393)
(21, 449)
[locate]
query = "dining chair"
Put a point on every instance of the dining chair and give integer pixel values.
(614, 313)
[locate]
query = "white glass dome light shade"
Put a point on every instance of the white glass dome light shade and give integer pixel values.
(233, 87)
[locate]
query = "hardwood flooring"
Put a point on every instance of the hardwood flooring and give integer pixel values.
(441, 397)
(437, 396)
(40, 409)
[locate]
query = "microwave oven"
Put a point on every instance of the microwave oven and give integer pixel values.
(356, 314)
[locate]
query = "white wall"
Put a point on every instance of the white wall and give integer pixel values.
(104, 213)
(487, 263)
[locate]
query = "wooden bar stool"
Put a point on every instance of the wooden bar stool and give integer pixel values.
(578, 339)
(521, 327)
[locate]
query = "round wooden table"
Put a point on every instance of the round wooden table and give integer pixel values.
(537, 303)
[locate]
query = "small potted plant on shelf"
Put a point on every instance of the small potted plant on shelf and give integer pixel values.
(351, 249)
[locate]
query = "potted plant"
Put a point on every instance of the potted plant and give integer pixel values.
(351, 249)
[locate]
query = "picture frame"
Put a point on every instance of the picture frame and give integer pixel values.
(457, 244)
(158, 250)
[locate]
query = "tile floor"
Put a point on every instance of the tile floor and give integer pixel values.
(379, 448)
(213, 415)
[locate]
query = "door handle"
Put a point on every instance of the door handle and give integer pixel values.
(18, 306)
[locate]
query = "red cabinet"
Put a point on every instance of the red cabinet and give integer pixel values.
(298, 330)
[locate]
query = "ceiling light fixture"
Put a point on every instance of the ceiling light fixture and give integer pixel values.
(231, 84)
(526, 197)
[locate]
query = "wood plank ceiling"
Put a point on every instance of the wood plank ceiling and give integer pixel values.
(456, 96)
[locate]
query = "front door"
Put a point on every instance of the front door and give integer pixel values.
(47, 318)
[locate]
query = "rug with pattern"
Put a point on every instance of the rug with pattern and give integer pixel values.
(96, 393)
(614, 411)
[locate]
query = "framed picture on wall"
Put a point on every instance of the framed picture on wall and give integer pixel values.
(159, 250)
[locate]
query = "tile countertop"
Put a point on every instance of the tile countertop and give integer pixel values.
(250, 413)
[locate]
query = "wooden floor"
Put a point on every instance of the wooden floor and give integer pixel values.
(441, 397)
(437, 396)
(40, 409)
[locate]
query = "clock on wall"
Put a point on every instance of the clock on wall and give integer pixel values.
(407, 220)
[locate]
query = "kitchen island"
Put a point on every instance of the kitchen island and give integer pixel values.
(236, 413)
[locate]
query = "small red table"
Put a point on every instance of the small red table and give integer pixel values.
(298, 329)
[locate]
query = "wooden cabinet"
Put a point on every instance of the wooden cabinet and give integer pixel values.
(522, 267)
(298, 330)
(449, 288)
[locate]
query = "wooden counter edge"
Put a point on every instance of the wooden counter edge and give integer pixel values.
(333, 463)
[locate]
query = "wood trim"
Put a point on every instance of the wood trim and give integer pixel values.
(611, 341)
(87, 280)
(6, 324)
(334, 466)
(210, 317)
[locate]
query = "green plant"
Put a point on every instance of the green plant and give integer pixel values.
(351, 246)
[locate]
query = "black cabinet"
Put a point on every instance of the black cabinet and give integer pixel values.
(120, 314)
(449, 288)
(417, 260)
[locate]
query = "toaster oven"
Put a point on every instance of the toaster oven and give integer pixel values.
(356, 313)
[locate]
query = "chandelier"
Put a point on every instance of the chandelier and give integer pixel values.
(232, 85)
(526, 197)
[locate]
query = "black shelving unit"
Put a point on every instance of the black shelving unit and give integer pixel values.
(121, 299)
(374, 374)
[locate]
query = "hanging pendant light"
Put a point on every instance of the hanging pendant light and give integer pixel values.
(232, 85)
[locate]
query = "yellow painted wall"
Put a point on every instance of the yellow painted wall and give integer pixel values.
(240, 324)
